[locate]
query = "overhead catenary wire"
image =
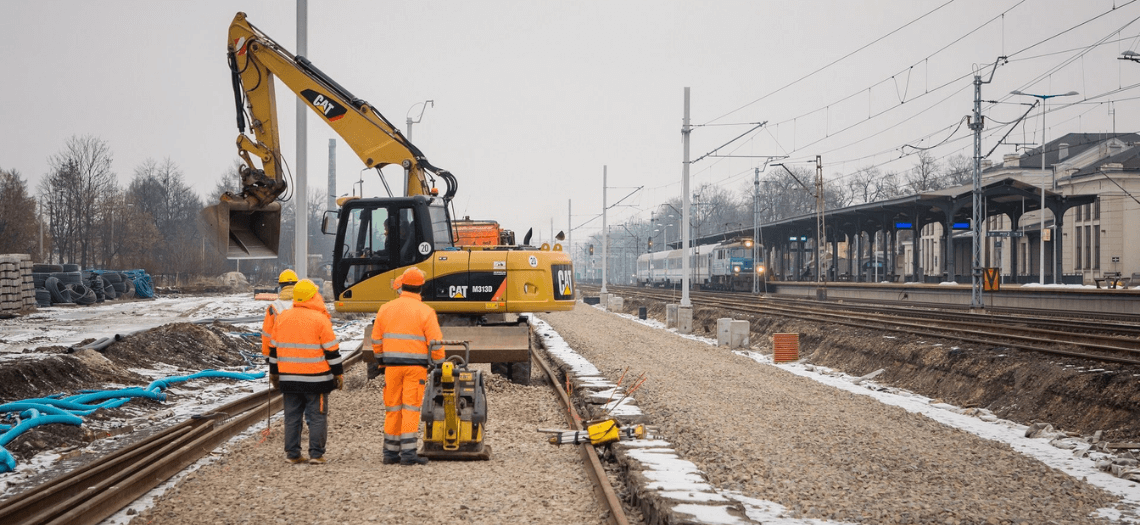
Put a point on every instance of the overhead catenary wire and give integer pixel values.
(836, 61)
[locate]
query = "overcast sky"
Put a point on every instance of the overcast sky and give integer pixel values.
(532, 99)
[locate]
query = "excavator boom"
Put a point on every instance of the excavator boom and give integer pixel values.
(247, 223)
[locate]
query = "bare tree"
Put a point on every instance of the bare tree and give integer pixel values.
(79, 177)
(924, 175)
(230, 180)
(159, 191)
(19, 226)
(871, 185)
(959, 171)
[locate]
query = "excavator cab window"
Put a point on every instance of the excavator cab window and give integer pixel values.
(367, 243)
(381, 235)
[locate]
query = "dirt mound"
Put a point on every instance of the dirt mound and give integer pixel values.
(1021, 386)
(186, 346)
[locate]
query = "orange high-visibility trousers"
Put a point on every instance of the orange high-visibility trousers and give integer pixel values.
(403, 395)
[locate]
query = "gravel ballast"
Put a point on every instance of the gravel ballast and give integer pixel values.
(820, 452)
(527, 480)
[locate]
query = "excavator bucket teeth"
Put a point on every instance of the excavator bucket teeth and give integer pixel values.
(245, 231)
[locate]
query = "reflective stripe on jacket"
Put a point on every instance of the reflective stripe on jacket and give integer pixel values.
(284, 302)
(305, 353)
(402, 331)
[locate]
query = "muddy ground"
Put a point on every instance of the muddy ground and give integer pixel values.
(182, 348)
(1072, 395)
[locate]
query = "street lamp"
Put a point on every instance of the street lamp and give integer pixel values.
(1043, 98)
(424, 106)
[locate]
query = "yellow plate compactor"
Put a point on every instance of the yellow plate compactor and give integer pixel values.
(454, 410)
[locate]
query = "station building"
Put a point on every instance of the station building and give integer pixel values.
(1090, 184)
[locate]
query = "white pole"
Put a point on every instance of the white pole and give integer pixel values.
(685, 279)
(605, 255)
(301, 190)
(1042, 269)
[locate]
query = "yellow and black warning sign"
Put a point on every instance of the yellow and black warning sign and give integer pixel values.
(992, 280)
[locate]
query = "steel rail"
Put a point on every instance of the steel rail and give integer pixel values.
(90, 494)
(928, 310)
(602, 489)
(862, 320)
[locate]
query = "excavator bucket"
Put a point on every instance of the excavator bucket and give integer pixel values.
(245, 232)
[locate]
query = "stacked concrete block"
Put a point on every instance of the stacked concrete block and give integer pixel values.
(616, 303)
(731, 333)
(17, 291)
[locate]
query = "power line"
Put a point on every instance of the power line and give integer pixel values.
(836, 61)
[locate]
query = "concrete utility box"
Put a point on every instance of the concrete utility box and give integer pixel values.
(670, 316)
(616, 304)
(732, 333)
(684, 319)
(722, 326)
(604, 300)
(738, 335)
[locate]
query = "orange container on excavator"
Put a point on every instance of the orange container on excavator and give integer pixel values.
(480, 233)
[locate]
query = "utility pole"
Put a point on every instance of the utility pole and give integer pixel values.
(332, 176)
(977, 304)
(301, 210)
(605, 241)
(820, 231)
(685, 279)
(755, 231)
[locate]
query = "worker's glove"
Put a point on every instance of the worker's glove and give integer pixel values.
(274, 382)
(340, 382)
(374, 370)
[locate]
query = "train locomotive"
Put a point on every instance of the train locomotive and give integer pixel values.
(727, 265)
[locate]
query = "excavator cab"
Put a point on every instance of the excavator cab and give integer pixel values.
(375, 236)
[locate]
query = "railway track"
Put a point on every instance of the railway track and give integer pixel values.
(1108, 342)
(90, 494)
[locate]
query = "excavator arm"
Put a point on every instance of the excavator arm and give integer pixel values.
(252, 216)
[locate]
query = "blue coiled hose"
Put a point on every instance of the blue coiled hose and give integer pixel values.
(48, 410)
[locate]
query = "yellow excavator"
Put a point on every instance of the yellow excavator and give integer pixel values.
(479, 291)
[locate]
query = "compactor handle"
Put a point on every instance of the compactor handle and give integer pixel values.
(437, 344)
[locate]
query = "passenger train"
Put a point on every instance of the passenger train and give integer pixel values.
(724, 266)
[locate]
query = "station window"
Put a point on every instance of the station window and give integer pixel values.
(1088, 243)
(1096, 209)
(1077, 252)
(1096, 247)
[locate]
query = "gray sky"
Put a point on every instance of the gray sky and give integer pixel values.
(533, 98)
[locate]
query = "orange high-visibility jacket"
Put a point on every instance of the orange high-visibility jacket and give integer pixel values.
(402, 331)
(284, 302)
(304, 352)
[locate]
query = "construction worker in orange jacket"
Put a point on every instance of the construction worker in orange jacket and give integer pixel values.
(400, 337)
(285, 282)
(305, 363)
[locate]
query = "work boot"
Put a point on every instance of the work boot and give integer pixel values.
(412, 459)
(296, 460)
(391, 459)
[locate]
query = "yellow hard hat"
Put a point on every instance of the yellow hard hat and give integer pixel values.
(287, 277)
(304, 291)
